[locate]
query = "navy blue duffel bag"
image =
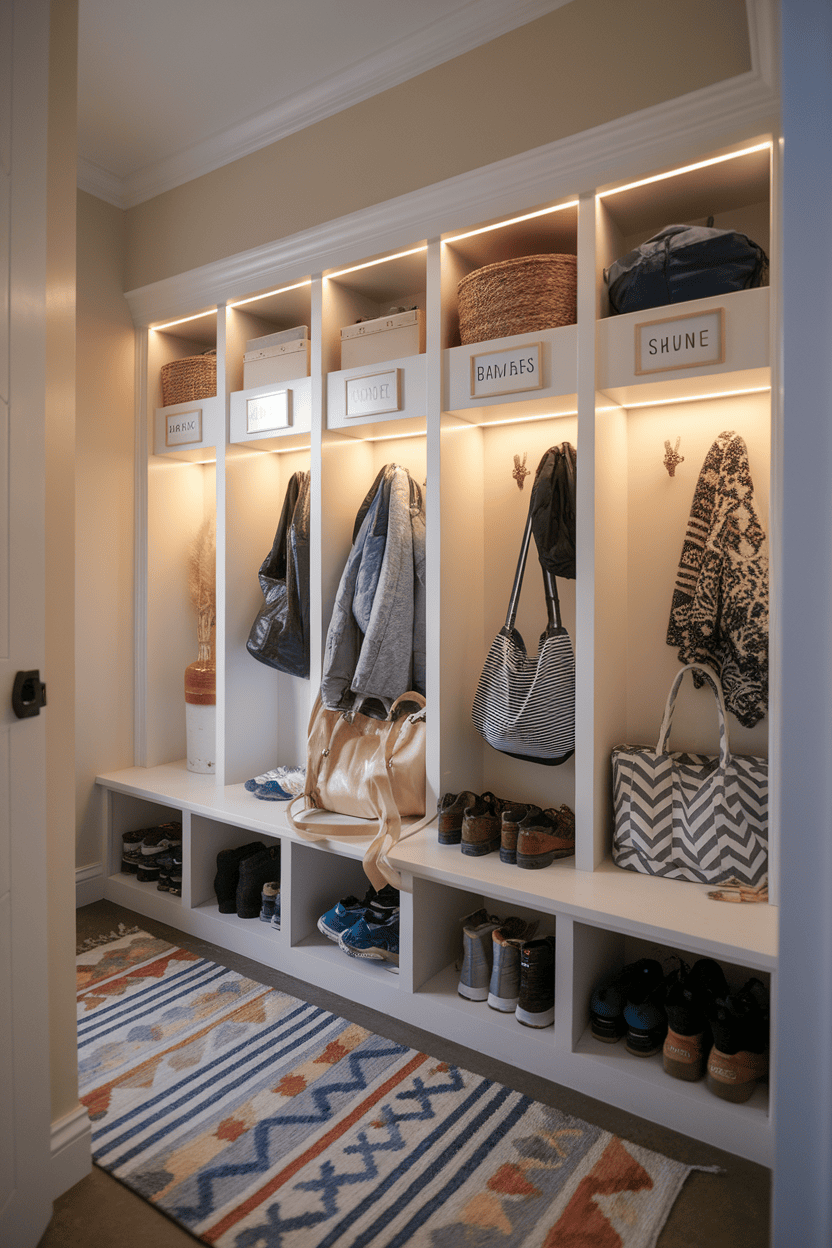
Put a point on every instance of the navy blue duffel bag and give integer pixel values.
(684, 262)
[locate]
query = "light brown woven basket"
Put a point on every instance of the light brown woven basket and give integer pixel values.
(194, 377)
(518, 297)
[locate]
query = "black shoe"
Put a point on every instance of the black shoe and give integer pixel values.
(228, 874)
(691, 992)
(255, 871)
(536, 1007)
(631, 985)
(739, 1056)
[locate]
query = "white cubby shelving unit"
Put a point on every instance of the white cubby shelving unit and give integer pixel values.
(631, 522)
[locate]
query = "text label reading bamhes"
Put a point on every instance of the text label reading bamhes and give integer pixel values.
(506, 372)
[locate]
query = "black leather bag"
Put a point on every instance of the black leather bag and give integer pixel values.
(279, 636)
(684, 262)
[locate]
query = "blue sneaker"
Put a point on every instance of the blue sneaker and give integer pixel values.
(371, 938)
(343, 915)
(349, 910)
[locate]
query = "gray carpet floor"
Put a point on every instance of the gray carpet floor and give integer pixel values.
(728, 1210)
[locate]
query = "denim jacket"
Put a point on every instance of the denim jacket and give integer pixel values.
(375, 646)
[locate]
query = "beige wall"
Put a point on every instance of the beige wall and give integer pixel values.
(585, 64)
(60, 523)
(104, 445)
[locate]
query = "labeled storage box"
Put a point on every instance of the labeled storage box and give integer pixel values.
(281, 362)
(275, 340)
(385, 338)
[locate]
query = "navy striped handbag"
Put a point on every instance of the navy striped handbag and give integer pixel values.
(526, 706)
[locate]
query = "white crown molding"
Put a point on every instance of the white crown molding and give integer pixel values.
(459, 32)
(664, 134)
(100, 183)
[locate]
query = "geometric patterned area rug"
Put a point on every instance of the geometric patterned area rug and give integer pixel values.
(255, 1120)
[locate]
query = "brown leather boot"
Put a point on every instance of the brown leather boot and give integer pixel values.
(545, 835)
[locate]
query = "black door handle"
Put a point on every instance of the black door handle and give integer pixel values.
(28, 694)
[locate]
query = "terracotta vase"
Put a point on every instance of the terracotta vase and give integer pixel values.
(201, 711)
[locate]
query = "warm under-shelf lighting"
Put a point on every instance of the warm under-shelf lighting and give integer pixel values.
(499, 225)
(526, 420)
(694, 398)
(238, 303)
(673, 173)
(393, 437)
(197, 316)
(368, 264)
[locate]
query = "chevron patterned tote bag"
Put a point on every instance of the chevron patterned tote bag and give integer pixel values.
(691, 816)
(525, 705)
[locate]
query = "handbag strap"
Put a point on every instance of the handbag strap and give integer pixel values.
(549, 588)
(716, 687)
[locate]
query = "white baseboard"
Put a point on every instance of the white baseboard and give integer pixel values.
(71, 1150)
(89, 884)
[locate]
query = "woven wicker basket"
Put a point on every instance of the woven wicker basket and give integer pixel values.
(195, 377)
(518, 297)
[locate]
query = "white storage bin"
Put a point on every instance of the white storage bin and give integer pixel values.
(283, 362)
(385, 338)
(274, 340)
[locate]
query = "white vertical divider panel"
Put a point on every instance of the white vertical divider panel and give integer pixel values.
(458, 511)
(219, 504)
(142, 433)
(433, 521)
(775, 526)
(589, 830)
(611, 561)
(316, 546)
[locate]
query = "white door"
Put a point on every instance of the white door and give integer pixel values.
(25, 1196)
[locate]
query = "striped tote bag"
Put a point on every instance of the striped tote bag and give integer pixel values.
(525, 706)
(691, 816)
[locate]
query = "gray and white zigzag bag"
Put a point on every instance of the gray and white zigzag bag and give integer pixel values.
(691, 816)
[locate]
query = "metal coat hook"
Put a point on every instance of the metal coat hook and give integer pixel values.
(672, 458)
(520, 470)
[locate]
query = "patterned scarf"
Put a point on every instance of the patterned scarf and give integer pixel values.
(719, 614)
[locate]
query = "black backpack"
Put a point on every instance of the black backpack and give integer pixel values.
(684, 262)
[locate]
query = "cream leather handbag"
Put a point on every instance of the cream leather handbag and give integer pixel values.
(369, 769)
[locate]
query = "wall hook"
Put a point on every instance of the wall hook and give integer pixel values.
(672, 459)
(520, 470)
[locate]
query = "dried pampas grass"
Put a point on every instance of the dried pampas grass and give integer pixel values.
(202, 579)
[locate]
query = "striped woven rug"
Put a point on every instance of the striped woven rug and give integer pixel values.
(256, 1120)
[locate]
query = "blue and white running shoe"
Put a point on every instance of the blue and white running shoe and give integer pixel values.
(371, 938)
(349, 910)
(342, 916)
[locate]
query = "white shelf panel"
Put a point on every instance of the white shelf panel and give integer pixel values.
(667, 911)
(641, 1085)
(172, 783)
(408, 419)
(557, 395)
(295, 435)
(746, 364)
(335, 961)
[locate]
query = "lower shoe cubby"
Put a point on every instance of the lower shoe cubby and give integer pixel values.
(321, 877)
(208, 840)
(126, 814)
(439, 913)
(599, 954)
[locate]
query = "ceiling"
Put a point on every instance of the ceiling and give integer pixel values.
(170, 89)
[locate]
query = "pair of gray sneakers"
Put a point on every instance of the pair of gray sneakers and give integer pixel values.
(501, 964)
